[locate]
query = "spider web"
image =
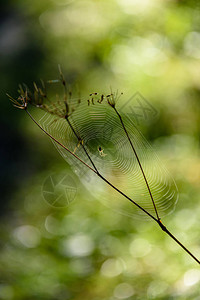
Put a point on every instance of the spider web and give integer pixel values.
(105, 141)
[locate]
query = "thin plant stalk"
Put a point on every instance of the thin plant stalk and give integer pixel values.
(138, 160)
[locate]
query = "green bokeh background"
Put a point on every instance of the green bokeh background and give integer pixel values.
(148, 46)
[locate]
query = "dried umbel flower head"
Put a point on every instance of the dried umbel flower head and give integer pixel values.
(113, 98)
(21, 102)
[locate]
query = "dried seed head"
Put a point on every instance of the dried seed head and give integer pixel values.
(111, 100)
(21, 102)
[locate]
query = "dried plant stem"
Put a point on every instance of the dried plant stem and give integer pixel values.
(158, 220)
(139, 163)
(82, 145)
(55, 140)
(94, 169)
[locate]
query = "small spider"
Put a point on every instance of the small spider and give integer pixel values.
(78, 145)
(101, 151)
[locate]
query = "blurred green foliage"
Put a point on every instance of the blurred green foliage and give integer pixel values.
(85, 250)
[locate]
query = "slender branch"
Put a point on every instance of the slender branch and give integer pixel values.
(81, 142)
(177, 241)
(163, 227)
(59, 143)
(138, 160)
